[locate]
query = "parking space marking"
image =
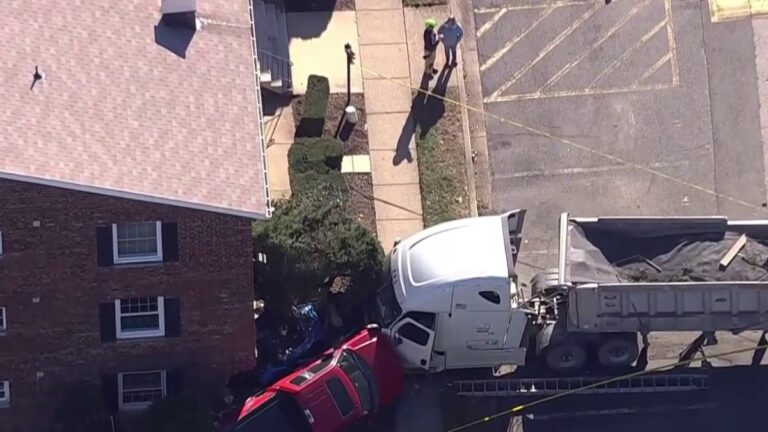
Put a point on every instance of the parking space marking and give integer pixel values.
(562, 72)
(487, 26)
(587, 92)
(547, 49)
(652, 69)
(628, 53)
(508, 46)
(593, 170)
(590, 89)
(672, 43)
(527, 7)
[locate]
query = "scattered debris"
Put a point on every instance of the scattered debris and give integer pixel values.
(731, 254)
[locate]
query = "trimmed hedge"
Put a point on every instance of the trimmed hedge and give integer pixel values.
(311, 181)
(312, 120)
(315, 154)
(316, 163)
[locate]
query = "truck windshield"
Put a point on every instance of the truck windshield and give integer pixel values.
(386, 301)
(362, 378)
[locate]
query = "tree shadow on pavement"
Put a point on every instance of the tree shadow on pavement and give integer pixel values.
(426, 110)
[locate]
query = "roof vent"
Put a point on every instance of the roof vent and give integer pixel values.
(179, 13)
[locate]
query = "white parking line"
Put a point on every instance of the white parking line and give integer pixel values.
(536, 6)
(652, 69)
(569, 171)
(562, 72)
(552, 45)
(508, 46)
(627, 53)
(487, 26)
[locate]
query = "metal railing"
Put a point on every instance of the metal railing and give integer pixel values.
(550, 386)
(278, 67)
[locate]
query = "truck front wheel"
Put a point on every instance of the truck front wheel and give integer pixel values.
(619, 351)
(565, 357)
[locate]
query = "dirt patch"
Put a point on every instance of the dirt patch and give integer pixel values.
(440, 150)
(355, 140)
(360, 205)
(320, 5)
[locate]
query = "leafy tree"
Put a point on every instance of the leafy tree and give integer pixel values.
(312, 248)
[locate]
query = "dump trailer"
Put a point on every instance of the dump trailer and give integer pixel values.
(452, 298)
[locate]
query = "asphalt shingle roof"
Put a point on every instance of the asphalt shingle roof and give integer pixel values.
(117, 113)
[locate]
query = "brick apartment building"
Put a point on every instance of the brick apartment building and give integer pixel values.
(131, 167)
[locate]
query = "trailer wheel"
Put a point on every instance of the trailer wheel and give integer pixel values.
(618, 351)
(565, 357)
(545, 283)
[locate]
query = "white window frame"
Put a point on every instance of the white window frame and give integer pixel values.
(142, 259)
(159, 332)
(6, 400)
(132, 406)
(4, 320)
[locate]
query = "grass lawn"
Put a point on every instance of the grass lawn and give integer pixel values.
(441, 159)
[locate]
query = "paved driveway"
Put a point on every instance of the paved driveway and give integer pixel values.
(626, 109)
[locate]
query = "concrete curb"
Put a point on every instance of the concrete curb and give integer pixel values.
(478, 170)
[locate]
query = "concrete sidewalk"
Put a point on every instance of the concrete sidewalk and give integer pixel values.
(384, 49)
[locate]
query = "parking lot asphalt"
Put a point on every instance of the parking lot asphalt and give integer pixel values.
(638, 107)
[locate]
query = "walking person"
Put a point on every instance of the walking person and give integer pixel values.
(431, 41)
(450, 33)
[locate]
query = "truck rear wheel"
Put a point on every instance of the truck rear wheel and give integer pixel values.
(619, 351)
(545, 283)
(565, 357)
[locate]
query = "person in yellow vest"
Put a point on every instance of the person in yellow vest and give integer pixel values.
(431, 41)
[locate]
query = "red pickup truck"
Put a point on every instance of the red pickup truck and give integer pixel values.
(346, 384)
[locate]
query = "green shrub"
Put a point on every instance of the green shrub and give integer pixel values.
(312, 120)
(329, 181)
(315, 155)
(316, 163)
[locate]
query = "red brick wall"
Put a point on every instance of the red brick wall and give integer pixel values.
(59, 335)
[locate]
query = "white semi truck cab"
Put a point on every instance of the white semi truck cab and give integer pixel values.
(451, 299)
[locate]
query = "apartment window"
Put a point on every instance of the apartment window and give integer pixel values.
(5, 393)
(3, 320)
(137, 242)
(138, 390)
(140, 317)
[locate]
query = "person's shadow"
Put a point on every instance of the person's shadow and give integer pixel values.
(426, 110)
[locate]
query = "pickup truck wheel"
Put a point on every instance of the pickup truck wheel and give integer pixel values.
(565, 357)
(618, 352)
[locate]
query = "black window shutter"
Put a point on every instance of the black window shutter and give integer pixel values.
(104, 246)
(174, 381)
(172, 317)
(107, 322)
(170, 241)
(109, 392)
